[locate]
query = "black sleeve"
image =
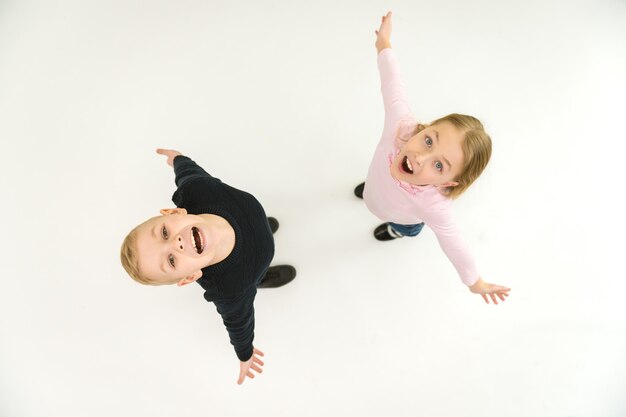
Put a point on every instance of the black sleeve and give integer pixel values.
(238, 317)
(195, 185)
(186, 169)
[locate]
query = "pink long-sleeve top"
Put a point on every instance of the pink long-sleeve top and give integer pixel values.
(396, 201)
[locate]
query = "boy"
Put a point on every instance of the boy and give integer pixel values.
(217, 236)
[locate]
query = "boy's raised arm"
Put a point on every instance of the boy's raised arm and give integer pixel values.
(184, 167)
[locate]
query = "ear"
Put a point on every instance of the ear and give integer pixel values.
(449, 184)
(173, 211)
(191, 278)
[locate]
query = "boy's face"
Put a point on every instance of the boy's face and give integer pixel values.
(174, 247)
(433, 156)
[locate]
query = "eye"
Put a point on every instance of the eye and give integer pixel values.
(171, 260)
(428, 141)
(164, 233)
(439, 166)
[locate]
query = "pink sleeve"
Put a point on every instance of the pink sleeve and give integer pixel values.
(393, 90)
(449, 237)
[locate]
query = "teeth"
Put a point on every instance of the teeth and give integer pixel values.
(408, 163)
(193, 240)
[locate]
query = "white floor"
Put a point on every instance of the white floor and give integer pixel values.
(281, 98)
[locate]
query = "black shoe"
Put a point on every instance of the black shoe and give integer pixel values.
(358, 191)
(277, 276)
(273, 224)
(383, 232)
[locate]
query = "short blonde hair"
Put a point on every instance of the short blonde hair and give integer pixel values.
(476, 150)
(128, 256)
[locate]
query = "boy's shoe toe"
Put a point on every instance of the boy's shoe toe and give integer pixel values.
(277, 276)
(383, 232)
(358, 191)
(273, 224)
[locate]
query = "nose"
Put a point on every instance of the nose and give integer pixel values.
(178, 244)
(419, 158)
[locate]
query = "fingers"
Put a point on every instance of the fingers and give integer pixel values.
(493, 298)
(243, 373)
(165, 152)
(493, 291)
(252, 364)
(502, 295)
(162, 151)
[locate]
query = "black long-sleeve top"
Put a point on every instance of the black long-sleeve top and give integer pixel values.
(230, 284)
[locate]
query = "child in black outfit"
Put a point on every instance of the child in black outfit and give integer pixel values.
(217, 236)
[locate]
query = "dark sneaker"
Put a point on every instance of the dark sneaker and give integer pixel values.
(273, 224)
(385, 232)
(358, 191)
(277, 276)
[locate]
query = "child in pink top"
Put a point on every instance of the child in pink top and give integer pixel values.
(418, 169)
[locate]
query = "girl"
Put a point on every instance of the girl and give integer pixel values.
(418, 169)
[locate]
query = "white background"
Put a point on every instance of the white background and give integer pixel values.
(282, 99)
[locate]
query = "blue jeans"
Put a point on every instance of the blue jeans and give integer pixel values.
(407, 229)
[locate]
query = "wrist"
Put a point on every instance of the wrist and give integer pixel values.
(382, 45)
(475, 287)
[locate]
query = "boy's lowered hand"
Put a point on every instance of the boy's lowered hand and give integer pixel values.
(170, 153)
(245, 368)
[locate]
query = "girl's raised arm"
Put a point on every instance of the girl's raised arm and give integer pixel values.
(383, 34)
(392, 87)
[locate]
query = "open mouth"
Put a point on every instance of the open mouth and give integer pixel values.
(196, 239)
(406, 165)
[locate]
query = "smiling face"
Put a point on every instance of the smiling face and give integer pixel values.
(434, 156)
(174, 247)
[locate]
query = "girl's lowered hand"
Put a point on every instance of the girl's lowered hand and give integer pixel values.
(486, 289)
(254, 363)
(383, 34)
(170, 153)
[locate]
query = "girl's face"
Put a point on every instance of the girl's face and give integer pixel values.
(433, 156)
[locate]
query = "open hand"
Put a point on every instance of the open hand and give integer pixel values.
(486, 289)
(254, 363)
(383, 34)
(170, 153)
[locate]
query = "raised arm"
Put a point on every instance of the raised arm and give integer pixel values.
(184, 168)
(383, 34)
(392, 87)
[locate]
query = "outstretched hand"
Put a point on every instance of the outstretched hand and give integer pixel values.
(486, 289)
(383, 34)
(170, 153)
(254, 363)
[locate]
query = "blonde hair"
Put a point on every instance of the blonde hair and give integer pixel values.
(476, 148)
(128, 256)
